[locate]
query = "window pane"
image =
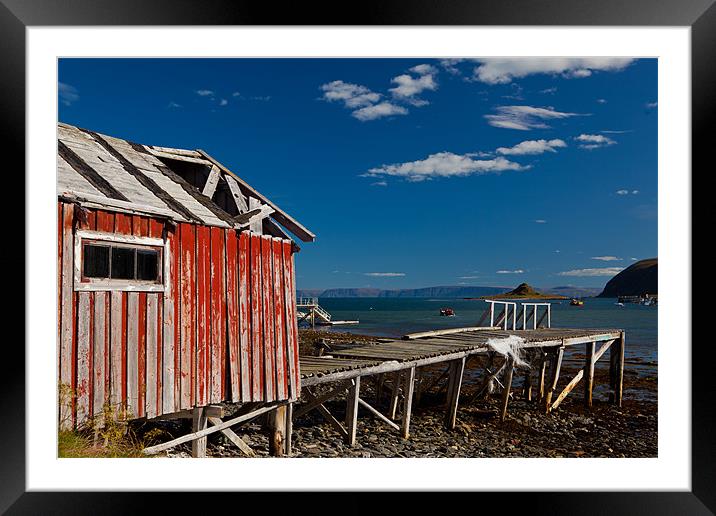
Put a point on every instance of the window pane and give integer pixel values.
(96, 261)
(147, 265)
(122, 263)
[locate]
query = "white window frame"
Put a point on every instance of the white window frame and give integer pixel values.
(107, 284)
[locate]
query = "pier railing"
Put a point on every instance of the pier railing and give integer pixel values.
(507, 316)
(307, 301)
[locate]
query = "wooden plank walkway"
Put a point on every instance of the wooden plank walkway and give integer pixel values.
(400, 359)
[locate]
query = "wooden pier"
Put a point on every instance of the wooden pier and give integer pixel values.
(399, 362)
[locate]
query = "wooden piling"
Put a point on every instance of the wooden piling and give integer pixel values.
(554, 377)
(277, 431)
(457, 368)
(199, 422)
(527, 385)
(408, 402)
(394, 394)
(589, 373)
(616, 370)
(352, 411)
(509, 368)
(542, 374)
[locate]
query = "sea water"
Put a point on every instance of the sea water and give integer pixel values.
(394, 317)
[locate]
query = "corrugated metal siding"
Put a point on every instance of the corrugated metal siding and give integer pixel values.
(225, 330)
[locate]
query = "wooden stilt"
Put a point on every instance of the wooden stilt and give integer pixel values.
(379, 379)
(394, 396)
(589, 373)
(528, 385)
(199, 422)
(509, 368)
(542, 372)
(617, 370)
(419, 380)
(352, 411)
(288, 445)
(408, 402)
(554, 377)
(457, 368)
(277, 429)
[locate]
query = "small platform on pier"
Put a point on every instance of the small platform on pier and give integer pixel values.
(309, 312)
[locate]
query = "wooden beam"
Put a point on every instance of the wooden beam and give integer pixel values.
(509, 369)
(212, 182)
(571, 385)
(210, 410)
(447, 331)
(231, 436)
(312, 404)
(542, 373)
(602, 350)
(213, 429)
(394, 394)
(288, 442)
(377, 414)
(279, 215)
(457, 369)
(352, 411)
(180, 157)
(255, 223)
(556, 365)
(408, 402)
(198, 446)
(617, 370)
(276, 427)
(328, 416)
(170, 150)
(236, 193)
(589, 368)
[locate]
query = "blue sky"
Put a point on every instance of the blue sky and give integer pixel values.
(413, 172)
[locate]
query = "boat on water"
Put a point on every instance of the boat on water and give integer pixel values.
(448, 312)
(576, 302)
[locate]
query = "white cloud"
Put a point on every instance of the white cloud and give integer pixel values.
(68, 94)
(532, 147)
(223, 102)
(444, 164)
(504, 70)
(550, 91)
(173, 105)
(236, 94)
(606, 271)
(540, 221)
(651, 105)
(607, 258)
(205, 93)
(517, 271)
(616, 132)
(379, 111)
(408, 86)
(634, 192)
(352, 95)
(468, 277)
(622, 192)
(385, 274)
(601, 101)
(379, 183)
(449, 65)
(594, 141)
(524, 118)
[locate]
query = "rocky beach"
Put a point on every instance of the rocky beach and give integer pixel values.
(572, 430)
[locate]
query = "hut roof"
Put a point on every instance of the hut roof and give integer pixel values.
(101, 171)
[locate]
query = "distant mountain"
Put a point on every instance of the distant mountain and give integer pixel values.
(571, 291)
(525, 291)
(435, 292)
(638, 279)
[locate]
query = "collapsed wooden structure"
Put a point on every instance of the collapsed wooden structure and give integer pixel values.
(176, 285)
(400, 362)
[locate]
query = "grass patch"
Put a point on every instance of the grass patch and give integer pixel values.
(79, 444)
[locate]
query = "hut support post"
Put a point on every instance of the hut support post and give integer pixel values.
(509, 369)
(199, 422)
(554, 377)
(589, 370)
(277, 430)
(352, 411)
(408, 402)
(288, 448)
(528, 385)
(457, 368)
(616, 370)
(379, 388)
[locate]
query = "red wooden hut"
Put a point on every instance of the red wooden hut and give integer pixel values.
(176, 285)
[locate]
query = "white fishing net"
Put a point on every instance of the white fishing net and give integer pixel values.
(510, 347)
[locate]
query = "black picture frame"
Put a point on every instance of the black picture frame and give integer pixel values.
(17, 15)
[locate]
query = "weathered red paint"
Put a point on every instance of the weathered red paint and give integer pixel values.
(233, 335)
